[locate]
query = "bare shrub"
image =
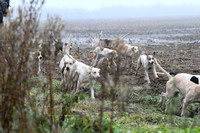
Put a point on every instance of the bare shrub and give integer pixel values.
(16, 43)
(18, 38)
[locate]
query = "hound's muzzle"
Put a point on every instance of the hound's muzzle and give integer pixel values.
(151, 62)
(67, 68)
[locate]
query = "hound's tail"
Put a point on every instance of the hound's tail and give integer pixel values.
(165, 72)
(125, 36)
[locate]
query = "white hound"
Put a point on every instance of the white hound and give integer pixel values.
(85, 73)
(147, 61)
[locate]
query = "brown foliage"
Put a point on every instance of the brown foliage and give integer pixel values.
(18, 38)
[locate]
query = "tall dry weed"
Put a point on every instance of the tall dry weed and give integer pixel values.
(19, 37)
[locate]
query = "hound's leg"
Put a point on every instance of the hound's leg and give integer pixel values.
(95, 60)
(92, 89)
(132, 59)
(94, 63)
(168, 95)
(126, 61)
(154, 71)
(161, 100)
(64, 79)
(181, 100)
(185, 104)
(78, 87)
(147, 76)
(199, 110)
(167, 105)
(63, 75)
(75, 81)
(39, 69)
(114, 65)
(139, 63)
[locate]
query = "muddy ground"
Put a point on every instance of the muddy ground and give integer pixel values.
(175, 41)
(184, 58)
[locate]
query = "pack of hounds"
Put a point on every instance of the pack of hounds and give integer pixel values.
(75, 72)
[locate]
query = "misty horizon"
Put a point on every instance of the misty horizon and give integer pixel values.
(116, 9)
(123, 12)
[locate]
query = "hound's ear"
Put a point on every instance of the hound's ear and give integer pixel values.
(148, 57)
(114, 52)
(101, 47)
(133, 48)
(65, 64)
(70, 37)
(90, 69)
(109, 63)
(95, 56)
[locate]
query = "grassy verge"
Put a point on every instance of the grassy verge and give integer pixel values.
(141, 113)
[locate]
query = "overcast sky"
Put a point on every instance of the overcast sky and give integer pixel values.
(89, 6)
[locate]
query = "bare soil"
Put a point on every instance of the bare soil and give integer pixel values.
(175, 41)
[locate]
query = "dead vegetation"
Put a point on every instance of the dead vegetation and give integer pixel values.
(37, 103)
(19, 37)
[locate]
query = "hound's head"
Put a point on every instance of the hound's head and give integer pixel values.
(114, 53)
(109, 64)
(98, 49)
(39, 56)
(95, 72)
(94, 54)
(150, 59)
(67, 47)
(68, 64)
(135, 49)
(93, 42)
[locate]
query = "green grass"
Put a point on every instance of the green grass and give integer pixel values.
(141, 114)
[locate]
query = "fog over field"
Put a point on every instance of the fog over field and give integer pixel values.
(112, 9)
(57, 74)
(155, 11)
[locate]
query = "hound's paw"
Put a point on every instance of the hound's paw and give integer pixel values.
(166, 111)
(160, 104)
(73, 92)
